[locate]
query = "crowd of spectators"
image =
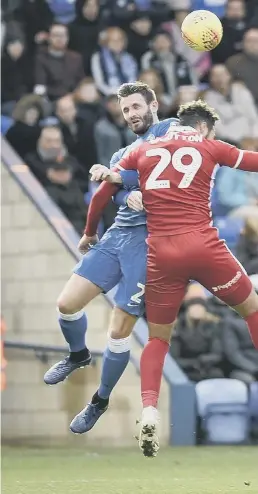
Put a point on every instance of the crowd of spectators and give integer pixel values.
(211, 341)
(62, 61)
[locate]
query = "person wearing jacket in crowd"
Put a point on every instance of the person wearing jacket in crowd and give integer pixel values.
(173, 68)
(112, 65)
(196, 343)
(240, 354)
(25, 131)
(59, 173)
(247, 247)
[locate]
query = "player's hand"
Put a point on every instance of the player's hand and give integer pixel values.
(99, 172)
(134, 200)
(86, 242)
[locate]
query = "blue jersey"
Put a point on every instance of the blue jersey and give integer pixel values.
(125, 215)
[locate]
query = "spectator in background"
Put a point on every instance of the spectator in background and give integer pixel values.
(57, 171)
(36, 18)
(238, 192)
(234, 26)
(184, 95)
(58, 70)
(111, 132)
(87, 100)
(235, 105)
(84, 31)
(63, 10)
(24, 133)
(15, 74)
(172, 67)
(78, 134)
(247, 247)
(241, 356)
(196, 343)
(112, 65)
(139, 34)
(200, 62)
(215, 6)
(123, 12)
(153, 79)
(244, 66)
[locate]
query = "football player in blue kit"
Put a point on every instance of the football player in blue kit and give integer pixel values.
(118, 259)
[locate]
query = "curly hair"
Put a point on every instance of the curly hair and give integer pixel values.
(195, 112)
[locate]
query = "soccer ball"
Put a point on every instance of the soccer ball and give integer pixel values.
(202, 30)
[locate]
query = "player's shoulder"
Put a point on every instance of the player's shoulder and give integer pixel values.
(117, 156)
(160, 128)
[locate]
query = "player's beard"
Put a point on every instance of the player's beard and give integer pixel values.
(143, 123)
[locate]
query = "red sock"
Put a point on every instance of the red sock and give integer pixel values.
(152, 362)
(252, 323)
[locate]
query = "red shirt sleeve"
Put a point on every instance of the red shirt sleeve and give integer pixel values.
(129, 162)
(97, 204)
(228, 155)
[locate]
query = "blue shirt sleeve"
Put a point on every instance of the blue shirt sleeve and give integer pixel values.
(130, 178)
(120, 198)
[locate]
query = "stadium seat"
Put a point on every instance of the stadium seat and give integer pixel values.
(6, 123)
(253, 404)
(222, 405)
(229, 230)
(215, 6)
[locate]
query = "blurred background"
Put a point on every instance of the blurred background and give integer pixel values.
(62, 61)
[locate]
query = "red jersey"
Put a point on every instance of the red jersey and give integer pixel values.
(176, 174)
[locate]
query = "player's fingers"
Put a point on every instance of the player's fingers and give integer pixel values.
(96, 176)
(83, 249)
(137, 200)
(134, 204)
(95, 167)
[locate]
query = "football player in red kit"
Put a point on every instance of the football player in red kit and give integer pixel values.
(176, 174)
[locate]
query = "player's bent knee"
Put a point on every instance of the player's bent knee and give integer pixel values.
(121, 324)
(249, 306)
(66, 307)
(161, 331)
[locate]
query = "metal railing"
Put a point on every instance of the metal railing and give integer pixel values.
(42, 352)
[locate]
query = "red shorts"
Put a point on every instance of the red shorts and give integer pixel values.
(175, 260)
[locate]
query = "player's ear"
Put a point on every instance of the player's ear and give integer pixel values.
(204, 130)
(154, 106)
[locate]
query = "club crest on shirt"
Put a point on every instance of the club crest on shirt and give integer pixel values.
(151, 137)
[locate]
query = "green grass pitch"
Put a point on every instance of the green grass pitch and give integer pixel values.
(201, 470)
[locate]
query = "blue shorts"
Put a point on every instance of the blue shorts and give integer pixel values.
(119, 259)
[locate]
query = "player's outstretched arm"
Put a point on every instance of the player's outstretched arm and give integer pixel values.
(229, 155)
(97, 204)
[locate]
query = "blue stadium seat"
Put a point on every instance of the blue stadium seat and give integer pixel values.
(6, 123)
(229, 230)
(222, 405)
(215, 6)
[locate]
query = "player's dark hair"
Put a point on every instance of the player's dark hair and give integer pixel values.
(195, 112)
(59, 24)
(137, 87)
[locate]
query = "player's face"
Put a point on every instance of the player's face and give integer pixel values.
(138, 115)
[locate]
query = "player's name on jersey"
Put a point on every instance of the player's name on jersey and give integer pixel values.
(178, 135)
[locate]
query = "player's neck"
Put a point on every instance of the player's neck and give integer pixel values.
(155, 121)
